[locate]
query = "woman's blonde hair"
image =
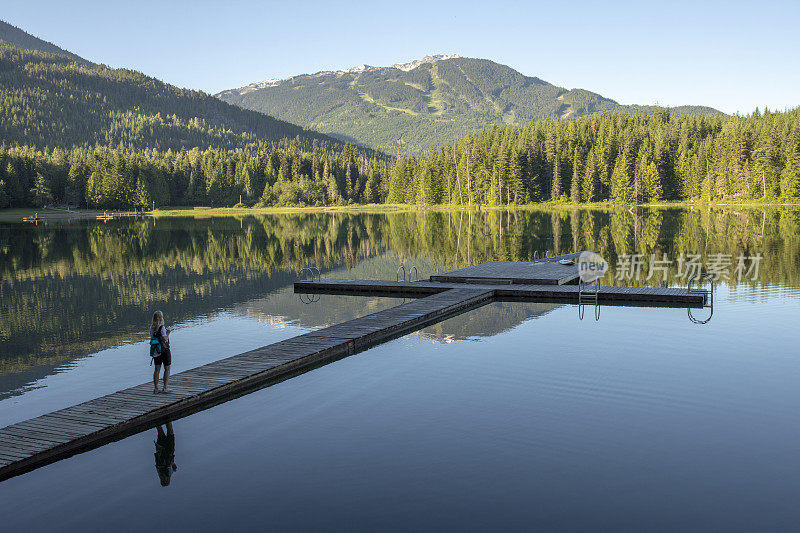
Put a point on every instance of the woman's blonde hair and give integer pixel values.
(158, 321)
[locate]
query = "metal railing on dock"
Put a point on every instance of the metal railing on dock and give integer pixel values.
(316, 275)
(412, 271)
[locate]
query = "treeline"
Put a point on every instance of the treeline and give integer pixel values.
(105, 178)
(616, 157)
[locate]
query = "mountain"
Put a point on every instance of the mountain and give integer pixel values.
(52, 98)
(13, 36)
(429, 101)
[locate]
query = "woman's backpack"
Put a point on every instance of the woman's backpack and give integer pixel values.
(155, 347)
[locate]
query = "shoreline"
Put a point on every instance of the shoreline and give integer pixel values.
(18, 214)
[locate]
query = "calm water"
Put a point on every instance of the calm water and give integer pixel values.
(514, 415)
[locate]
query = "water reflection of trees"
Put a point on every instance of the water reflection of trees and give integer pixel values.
(288, 242)
(60, 281)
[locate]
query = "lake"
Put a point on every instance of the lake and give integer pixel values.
(513, 416)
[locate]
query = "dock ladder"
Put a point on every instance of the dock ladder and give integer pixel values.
(588, 293)
(709, 300)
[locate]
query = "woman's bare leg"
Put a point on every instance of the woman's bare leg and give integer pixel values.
(166, 376)
(155, 376)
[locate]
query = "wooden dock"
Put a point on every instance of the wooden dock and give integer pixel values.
(60, 434)
(547, 271)
(543, 280)
(111, 215)
(47, 438)
(642, 296)
(511, 272)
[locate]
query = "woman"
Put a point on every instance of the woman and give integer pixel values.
(158, 331)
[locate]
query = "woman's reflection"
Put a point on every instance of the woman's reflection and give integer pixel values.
(165, 454)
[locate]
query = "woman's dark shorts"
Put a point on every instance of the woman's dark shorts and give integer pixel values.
(164, 359)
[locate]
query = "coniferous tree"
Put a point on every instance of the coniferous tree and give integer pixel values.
(590, 179)
(397, 183)
(40, 193)
(142, 195)
(555, 191)
(790, 177)
(5, 200)
(652, 183)
(621, 180)
(575, 187)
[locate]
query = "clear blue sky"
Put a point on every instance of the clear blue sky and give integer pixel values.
(730, 55)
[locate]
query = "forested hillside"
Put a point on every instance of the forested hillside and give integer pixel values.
(50, 100)
(433, 103)
(617, 157)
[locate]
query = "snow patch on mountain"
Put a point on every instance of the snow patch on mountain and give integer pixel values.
(259, 85)
(411, 65)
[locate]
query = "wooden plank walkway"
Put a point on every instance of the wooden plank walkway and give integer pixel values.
(543, 272)
(57, 435)
(656, 296)
(540, 273)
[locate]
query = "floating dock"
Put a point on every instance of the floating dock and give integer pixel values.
(641, 296)
(544, 280)
(546, 271)
(60, 434)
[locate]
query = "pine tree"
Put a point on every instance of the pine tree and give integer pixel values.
(5, 199)
(621, 181)
(397, 183)
(40, 193)
(555, 191)
(14, 186)
(653, 190)
(683, 172)
(790, 177)
(267, 196)
(143, 199)
(372, 188)
(590, 179)
(575, 187)
(192, 188)
(535, 178)
(515, 176)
